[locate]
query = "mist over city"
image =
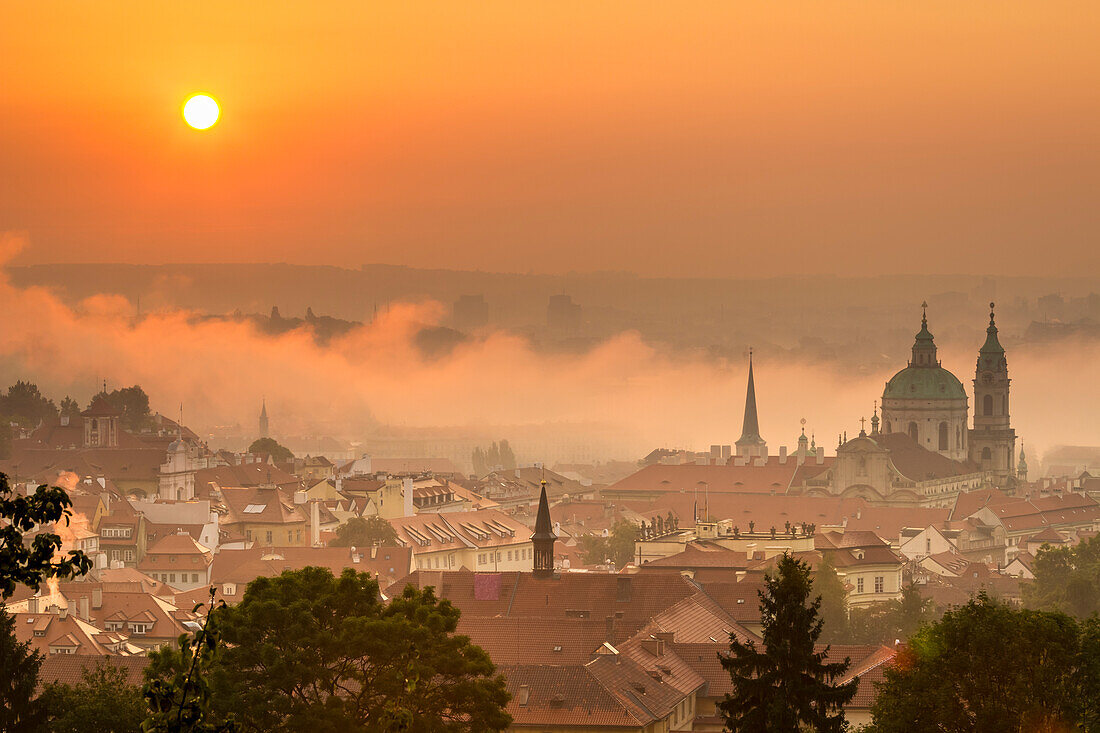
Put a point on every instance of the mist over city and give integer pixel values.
(567, 368)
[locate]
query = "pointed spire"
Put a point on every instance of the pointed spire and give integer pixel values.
(750, 441)
(992, 344)
(543, 538)
(874, 420)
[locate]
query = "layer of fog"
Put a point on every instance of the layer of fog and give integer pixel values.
(375, 376)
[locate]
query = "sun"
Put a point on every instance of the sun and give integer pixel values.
(201, 111)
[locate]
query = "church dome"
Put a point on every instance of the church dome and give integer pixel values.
(924, 383)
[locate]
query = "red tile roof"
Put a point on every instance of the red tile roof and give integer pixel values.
(773, 477)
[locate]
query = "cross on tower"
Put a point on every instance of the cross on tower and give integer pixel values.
(862, 424)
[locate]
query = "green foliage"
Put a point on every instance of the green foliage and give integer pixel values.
(70, 408)
(496, 455)
(19, 665)
(177, 682)
(889, 621)
(102, 701)
(307, 651)
(133, 403)
(31, 565)
(787, 687)
(24, 404)
(270, 446)
(1066, 579)
(989, 667)
(834, 602)
(365, 532)
(617, 547)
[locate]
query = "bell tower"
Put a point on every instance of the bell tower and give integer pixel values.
(993, 441)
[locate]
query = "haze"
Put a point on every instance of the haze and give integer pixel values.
(694, 138)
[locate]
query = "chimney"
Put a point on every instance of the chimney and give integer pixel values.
(524, 694)
(63, 612)
(315, 524)
(407, 496)
(783, 454)
(85, 613)
(373, 552)
(97, 598)
(32, 605)
(300, 497)
(820, 458)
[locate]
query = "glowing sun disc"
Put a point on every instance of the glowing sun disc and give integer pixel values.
(201, 111)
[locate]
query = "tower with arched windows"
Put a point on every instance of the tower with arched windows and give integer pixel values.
(992, 440)
(926, 401)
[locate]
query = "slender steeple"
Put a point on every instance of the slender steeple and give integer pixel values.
(750, 443)
(263, 420)
(1021, 465)
(874, 420)
(543, 538)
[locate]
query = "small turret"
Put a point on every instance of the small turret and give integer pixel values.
(1021, 466)
(874, 420)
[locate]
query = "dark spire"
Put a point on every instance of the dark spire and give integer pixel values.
(874, 420)
(543, 538)
(750, 429)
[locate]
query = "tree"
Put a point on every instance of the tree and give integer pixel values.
(989, 667)
(507, 457)
(889, 621)
(26, 405)
(70, 408)
(103, 700)
(19, 664)
(834, 602)
(365, 532)
(481, 466)
(133, 403)
(307, 651)
(271, 447)
(177, 682)
(618, 546)
(30, 565)
(1066, 579)
(787, 687)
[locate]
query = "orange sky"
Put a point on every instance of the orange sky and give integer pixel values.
(665, 138)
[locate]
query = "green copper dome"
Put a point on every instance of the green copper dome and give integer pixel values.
(924, 383)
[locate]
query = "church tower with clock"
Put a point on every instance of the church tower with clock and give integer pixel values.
(993, 441)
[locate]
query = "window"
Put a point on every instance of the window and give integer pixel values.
(171, 577)
(248, 535)
(927, 545)
(139, 628)
(913, 431)
(116, 554)
(943, 436)
(986, 454)
(987, 405)
(194, 577)
(509, 554)
(229, 589)
(879, 584)
(269, 540)
(859, 585)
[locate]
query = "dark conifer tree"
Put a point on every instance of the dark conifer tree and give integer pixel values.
(786, 687)
(20, 710)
